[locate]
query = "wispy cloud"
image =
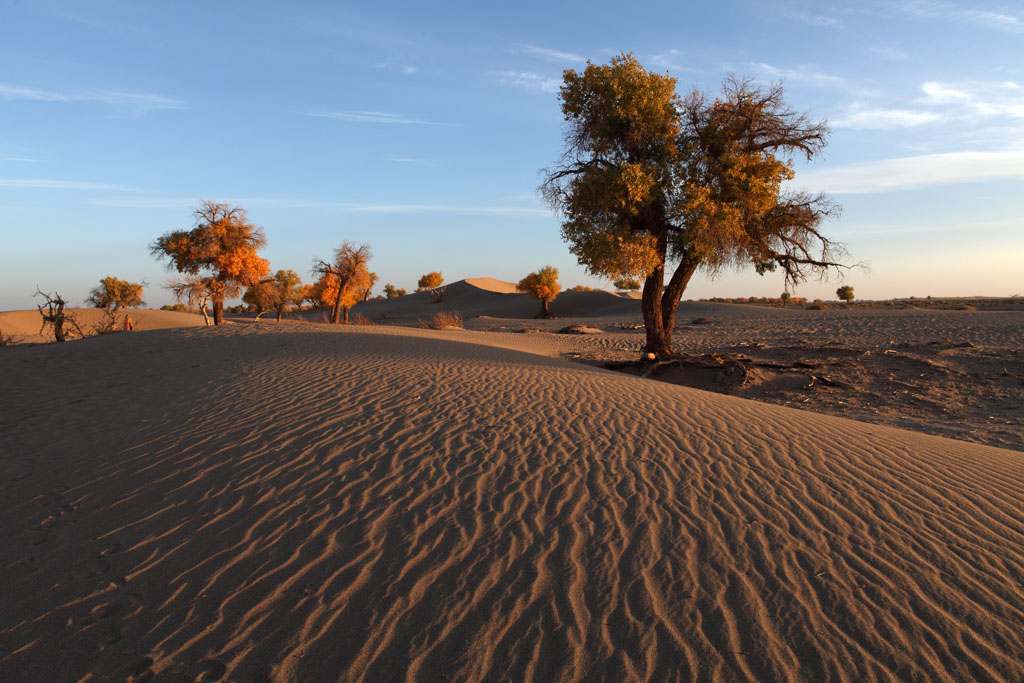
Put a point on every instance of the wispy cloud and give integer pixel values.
(889, 53)
(814, 19)
(951, 12)
(138, 103)
(344, 207)
(673, 60)
(556, 55)
(45, 184)
(800, 75)
(410, 160)
(529, 81)
(917, 171)
(16, 158)
(373, 117)
(883, 119)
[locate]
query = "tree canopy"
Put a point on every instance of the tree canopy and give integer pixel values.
(542, 286)
(276, 294)
(654, 185)
(845, 293)
(392, 292)
(219, 254)
(343, 280)
(113, 293)
(431, 280)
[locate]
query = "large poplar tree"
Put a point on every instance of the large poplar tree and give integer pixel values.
(657, 186)
(218, 256)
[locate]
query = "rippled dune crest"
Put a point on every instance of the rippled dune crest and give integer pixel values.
(258, 502)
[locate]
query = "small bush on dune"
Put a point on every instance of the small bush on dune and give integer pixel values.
(359, 319)
(443, 320)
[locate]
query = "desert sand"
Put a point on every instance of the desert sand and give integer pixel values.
(23, 327)
(294, 501)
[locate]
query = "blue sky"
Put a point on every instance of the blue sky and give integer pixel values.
(421, 128)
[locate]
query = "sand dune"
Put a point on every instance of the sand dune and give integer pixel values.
(287, 502)
(23, 326)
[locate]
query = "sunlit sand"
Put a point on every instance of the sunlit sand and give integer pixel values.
(299, 501)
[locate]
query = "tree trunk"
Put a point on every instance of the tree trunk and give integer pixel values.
(218, 309)
(544, 313)
(658, 342)
(279, 315)
(672, 295)
(345, 308)
(336, 310)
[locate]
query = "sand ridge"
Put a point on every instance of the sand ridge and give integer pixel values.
(292, 502)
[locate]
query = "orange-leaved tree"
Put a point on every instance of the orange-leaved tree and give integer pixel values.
(275, 294)
(343, 279)
(114, 293)
(657, 186)
(429, 281)
(218, 256)
(542, 286)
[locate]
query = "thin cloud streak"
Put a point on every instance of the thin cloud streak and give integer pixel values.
(950, 12)
(373, 117)
(346, 207)
(884, 119)
(916, 172)
(44, 184)
(556, 55)
(136, 102)
(529, 81)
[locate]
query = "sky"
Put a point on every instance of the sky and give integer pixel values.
(423, 129)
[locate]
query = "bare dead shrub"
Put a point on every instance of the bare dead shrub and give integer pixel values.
(55, 317)
(437, 294)
(6, 340)
(359, 319)
(443, 320)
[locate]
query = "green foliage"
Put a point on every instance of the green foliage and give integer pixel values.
(649, 179)
(112, 294)
(845, 293)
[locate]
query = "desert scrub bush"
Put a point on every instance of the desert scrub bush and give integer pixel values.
(701, 321)
(443, 321)
(359, 319)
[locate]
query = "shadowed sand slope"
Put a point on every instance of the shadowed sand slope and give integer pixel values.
(497, 299)
(272, 503)
(24, 326)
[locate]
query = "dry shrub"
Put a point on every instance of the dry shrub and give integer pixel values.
(437, 295)
(362, 320)
(443, 320)
(701, 321)
(6, 340)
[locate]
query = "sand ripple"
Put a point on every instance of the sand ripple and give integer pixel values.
(251, 503)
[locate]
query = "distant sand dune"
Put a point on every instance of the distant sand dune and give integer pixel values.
(24, 326)
(282, 502)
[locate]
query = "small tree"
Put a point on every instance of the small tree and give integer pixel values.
(392, 292)
(845, 293)
(112, 294)
(542, 286)
(626, 284)
(219, 253)
(343, 280)
(365, 294)
(784, 298)
(430, 281)
(195, 290)
(275, 294)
